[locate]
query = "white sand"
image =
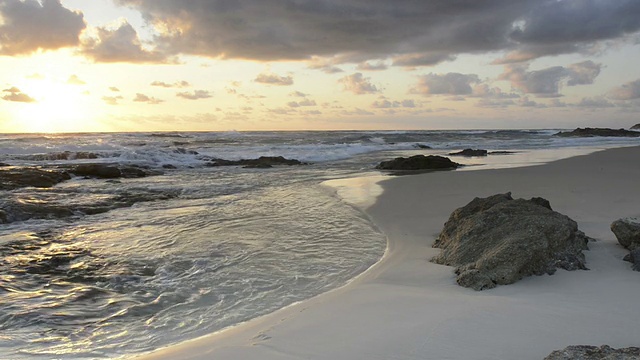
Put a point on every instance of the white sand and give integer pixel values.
(408, 308)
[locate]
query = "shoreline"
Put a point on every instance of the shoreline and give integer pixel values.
(406, 307)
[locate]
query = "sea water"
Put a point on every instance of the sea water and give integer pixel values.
(197, 249)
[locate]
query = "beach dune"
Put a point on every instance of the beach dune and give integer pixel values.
(406, 307)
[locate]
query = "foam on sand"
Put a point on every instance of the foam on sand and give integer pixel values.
(408, 308)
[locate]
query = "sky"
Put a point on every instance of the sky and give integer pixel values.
(220, 65)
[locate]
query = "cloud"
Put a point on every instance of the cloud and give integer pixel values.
(628, 91)
(301, 103)
(298, 94)
(273, 79)
(144, 98)
(424, 59)
(14, 94)
(27, 26)
(114, 89)
(358, 84)
(367, 66)
(120, 45)
(446, 84)
(484, 91)
(583, 73)
(75, 80)
(547, 82)
(177, 84)
(412, 32)
(112, 100)
(386, 104)
(356, 112)
(195, 95)
(595, 103)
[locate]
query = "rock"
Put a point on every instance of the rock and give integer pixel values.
(422, 146)
(109, 171)
(258, 166)
(634, 258)
(96, 170)
(4, 164)
(418, 162)
(502, 152)
(470, 152)
(23, 177)
(261, 162)
(604, 352)
(498, 240)
(65, 155)
(635, 127)
(627, 231)
(590, 132)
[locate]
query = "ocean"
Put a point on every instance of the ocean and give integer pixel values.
(108, 268)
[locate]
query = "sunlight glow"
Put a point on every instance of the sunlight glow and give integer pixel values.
(59, 107)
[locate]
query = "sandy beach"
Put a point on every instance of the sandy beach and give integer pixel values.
(406, 307)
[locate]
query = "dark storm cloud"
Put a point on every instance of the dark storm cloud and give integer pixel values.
(411, 32)
(29, 25)
(14, 94)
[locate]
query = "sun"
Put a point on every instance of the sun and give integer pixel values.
(58, 107)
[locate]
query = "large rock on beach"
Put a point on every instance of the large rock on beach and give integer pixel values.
(591, 132)
(498, 240)
(261, 162)
(604, 352)
(418, 162)
(15, 178)
(627, 231)
(470, 152)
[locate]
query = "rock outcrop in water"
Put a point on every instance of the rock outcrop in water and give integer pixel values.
(15, 178)
(627, 231)
(262, 162)
(418, 162)
(635, 127)
(109, 171)
(498, 240)
(591, 132)
(470, 152)
(604, 352)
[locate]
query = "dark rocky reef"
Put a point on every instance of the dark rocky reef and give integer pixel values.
(591, 132)
(498, 240)
(422, 146)
(109, 171)
(627, 231)
(65, 155)
(15, 178)
(604, 352)
(418, 162)
(19, 209)
(635, 127)
(470, 152)
(19, 177)
(263, 162)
